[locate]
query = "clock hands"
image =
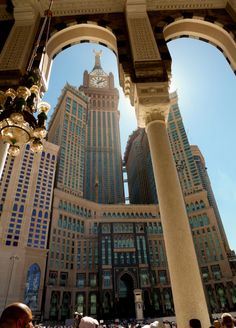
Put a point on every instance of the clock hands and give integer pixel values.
(100, 81)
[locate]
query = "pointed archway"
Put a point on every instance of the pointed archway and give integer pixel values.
(126, 307)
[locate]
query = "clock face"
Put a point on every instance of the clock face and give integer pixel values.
(98, 81)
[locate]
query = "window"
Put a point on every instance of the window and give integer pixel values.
(80, 280)
(205, 274)
(92, 280)
(107, 279)
(216, 271)
(80, 302)
(63, 278)
(93, 304)
(32, 286)
(144, 278)
(163, 277)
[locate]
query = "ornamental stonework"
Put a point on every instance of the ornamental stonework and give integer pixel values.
(183, 4)
(70, 7)
(14, 52)
(75, 7)
(156, 115)
(142, 41)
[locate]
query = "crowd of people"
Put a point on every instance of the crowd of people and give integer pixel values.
(19, 315)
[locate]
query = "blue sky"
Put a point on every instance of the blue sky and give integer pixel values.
(206, 87)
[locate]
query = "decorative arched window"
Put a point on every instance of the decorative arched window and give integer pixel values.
(192, 207)
(167, 300)
(54, 305)
(221, 296)
(106, 304)
(202, 204)
(32, 286)
(211, 298)
(93, 304)
(197, 205)
(156, 300)
(65, 307)
(80, 302)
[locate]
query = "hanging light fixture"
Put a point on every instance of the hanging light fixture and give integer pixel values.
(23, 114)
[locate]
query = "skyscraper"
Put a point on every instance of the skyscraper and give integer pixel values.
(200, 163)
(67, 129)
(137, 147)
(137, 159)
(188, 173)
(25, 209)
(103, 169)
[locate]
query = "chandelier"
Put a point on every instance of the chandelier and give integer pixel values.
(23, 114)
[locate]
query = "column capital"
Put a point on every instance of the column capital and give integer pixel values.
(156, 115)
(152, 102)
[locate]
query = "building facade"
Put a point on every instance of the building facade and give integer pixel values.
(67, 129)
(100, 254)
(26, 197)
(103, 169)
(206, 183)
(138, 164)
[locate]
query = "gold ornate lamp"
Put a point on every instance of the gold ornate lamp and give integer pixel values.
(23, 114)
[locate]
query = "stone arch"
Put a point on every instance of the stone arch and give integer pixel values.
(125, 292)
(131, 274)
(213, 33)
(73, 35)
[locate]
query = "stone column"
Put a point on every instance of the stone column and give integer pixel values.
(188, 294)
(138, 300)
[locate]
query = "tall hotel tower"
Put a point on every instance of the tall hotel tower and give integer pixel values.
(25, 212)
(67, 129)
(103, 169)
(138, 162)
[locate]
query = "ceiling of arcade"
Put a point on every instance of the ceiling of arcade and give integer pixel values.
(110, 14)
(159, 20)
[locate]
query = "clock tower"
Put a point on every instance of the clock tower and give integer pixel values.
(103, 165)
